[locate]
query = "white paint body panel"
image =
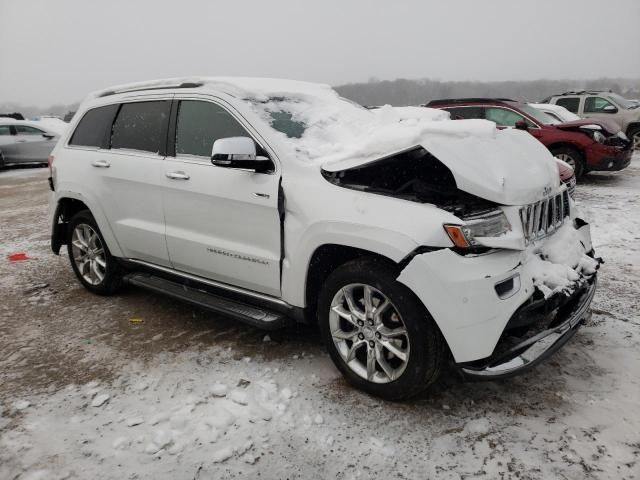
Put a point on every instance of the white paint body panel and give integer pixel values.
(143, 214)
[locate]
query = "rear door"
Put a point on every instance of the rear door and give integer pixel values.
(123, 163)
(221, 223)
(7, 143)
(571, 103)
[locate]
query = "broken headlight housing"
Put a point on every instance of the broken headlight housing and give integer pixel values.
(598, 136)
(491, 224)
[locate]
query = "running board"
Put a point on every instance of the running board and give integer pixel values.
(255, 316)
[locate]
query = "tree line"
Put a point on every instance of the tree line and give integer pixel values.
(402, 92)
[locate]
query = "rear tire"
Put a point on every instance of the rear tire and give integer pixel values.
(384, 342)
(572, 156)
(89, 255)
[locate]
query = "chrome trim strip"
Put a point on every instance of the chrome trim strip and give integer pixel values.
(213, 283)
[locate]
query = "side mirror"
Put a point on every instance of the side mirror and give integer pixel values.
(610, 109)
(238, 152)
(521, 125)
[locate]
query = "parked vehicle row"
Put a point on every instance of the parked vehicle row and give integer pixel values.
(409, 240)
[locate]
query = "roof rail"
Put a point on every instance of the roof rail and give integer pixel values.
(581, 92)
(144, 89)
(447, 101)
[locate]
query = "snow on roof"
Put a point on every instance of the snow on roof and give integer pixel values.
(241, 87)
(315, 123)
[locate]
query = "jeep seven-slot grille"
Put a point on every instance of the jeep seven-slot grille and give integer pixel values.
(544, 217)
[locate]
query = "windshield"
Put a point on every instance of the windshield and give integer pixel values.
(623, 102)
(539, 115)
(293, 116)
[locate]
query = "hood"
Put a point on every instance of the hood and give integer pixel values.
(609, 126)
(509, 167)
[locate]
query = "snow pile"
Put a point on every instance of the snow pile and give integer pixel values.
(333, 129)
(560, 263)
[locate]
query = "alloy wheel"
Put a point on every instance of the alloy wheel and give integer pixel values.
(369, 333)
(88, 254)
(636, 140)
(565, 157)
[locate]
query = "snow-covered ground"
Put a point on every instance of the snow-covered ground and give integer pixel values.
(139, 386)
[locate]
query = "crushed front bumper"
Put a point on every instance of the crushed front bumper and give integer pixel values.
(531, 350)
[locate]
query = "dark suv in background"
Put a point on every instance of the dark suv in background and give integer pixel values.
(586, 145)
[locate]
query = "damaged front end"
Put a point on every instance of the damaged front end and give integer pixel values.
(520, 274)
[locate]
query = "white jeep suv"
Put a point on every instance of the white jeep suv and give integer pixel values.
(409, 238)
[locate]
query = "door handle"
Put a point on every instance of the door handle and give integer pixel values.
(177, 176)
(101, 164)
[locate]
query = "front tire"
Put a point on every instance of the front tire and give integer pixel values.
(89, 255)
(572, 156)
(378, 333)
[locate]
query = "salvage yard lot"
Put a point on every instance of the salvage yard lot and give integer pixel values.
(140, 386)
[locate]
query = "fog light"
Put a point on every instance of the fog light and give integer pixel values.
(509, 287)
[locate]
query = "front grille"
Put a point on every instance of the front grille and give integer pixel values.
(544, 217)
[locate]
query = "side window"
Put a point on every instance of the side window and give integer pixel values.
(141, 126)
(570, 103)
(93, 130)
(5, 130)
(26, 130)
(200, 124)
(459, 113)
(595, 104)
(503, 117)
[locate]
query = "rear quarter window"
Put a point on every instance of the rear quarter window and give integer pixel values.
(93, 130)
(141, 126)
(572, 103)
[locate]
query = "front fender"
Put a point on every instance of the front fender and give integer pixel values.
(387, 243)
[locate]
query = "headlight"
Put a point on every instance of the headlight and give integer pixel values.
(492, 224)
(598, 136)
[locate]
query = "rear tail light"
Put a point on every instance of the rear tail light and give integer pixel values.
(50, 162)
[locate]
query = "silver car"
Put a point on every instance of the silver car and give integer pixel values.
(25, 143)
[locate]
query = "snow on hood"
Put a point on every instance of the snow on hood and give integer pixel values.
(507, 167)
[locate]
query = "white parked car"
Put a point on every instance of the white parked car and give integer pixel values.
(558, 113)
(410, 238)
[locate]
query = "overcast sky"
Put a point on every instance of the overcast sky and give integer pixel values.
(55, 51)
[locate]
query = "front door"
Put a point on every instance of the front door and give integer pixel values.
(221, 223)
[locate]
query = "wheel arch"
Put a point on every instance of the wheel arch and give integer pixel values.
(324, 260)
(67, 205)
(632, 127)
(563, 144)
